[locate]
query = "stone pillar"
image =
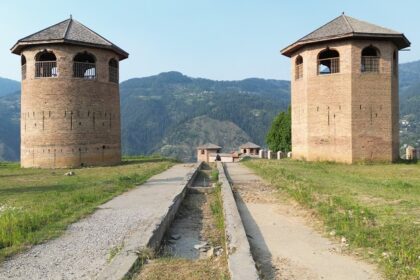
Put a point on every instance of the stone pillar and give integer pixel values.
(280, 155)
(269, 154)
(289, 154)
(261, 154)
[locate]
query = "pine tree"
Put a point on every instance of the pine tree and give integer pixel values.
(279, 137)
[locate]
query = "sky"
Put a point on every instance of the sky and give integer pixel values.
(215, 39)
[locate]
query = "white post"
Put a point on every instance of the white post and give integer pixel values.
(269, 154)
(289, 154)
(261, 153)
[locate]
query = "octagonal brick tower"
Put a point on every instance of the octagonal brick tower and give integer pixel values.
(70, 104)
(345, 105)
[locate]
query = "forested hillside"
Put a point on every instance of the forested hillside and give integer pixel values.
(171, 113)
(156, 109)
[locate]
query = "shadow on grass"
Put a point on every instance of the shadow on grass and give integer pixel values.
(38, 189)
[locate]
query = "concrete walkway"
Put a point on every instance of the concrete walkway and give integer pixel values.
(121, 225)
(283, 243)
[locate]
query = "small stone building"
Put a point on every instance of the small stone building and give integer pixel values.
(344, 100)
(70, 103)
(204, 151)
(411, 153)
(250, 148)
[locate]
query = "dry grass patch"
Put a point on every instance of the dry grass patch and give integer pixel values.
(374, 206)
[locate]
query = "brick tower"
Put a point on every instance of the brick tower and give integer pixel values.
(345, 92)
(70, 104)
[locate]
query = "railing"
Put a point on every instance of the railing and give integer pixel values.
(45, 69)
(23, 69)
(299, 71)
(370, 64)
(84, 70)
(328, 66)
(113, 74)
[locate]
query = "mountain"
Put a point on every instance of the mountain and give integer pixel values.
(410, 104)
(9, 127)
(171, 113)
(8, 86)
(162, 113)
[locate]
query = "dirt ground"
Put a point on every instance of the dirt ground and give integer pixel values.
(283, 240)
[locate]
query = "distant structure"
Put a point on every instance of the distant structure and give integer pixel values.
(70, 104)
(250, 148)
(204, 151)
(412, 153)
(345, 92)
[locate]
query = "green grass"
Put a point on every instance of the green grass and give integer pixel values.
(214, 175)
(217, 210)
(38, 204)
(376, 207)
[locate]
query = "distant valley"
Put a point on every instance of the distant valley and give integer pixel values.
(171, 113)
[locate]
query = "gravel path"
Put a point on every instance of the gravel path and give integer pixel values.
(85, 248)
(283, 243)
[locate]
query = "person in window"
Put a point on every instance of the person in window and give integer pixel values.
(218, 157)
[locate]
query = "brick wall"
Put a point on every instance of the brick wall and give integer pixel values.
(347, 116)
(67, 121)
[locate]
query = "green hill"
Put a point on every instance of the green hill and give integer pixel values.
(155, 109)
(171, 113)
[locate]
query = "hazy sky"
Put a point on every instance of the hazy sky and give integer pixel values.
(216, 39)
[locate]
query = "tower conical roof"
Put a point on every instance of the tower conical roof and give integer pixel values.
(69, 31)
(348, 27)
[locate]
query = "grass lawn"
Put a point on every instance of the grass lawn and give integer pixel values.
(375, 207)
(38, 204)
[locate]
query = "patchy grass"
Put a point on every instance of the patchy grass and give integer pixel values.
(214, 175)
(38, 204)
(182, 269)
(217, 211)
(374, 206)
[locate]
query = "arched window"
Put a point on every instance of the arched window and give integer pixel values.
(299, 67)
(113, 71)
(370, 59)
(395, 63)
(23, 66)
(328, 62)
(84, 66)
(45, 65)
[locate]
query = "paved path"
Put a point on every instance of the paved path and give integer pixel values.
(284, 246)
(125, 222)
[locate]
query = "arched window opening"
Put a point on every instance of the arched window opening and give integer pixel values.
(299, 67)
(113, 71)
(23, 66)
(395, 63)
(328, 62)
(370, 60)
(84, 66)
(45, 65)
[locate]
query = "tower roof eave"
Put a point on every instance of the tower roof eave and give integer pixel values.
(20, 46)
(399, 39)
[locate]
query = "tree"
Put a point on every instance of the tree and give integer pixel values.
(279, 137)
